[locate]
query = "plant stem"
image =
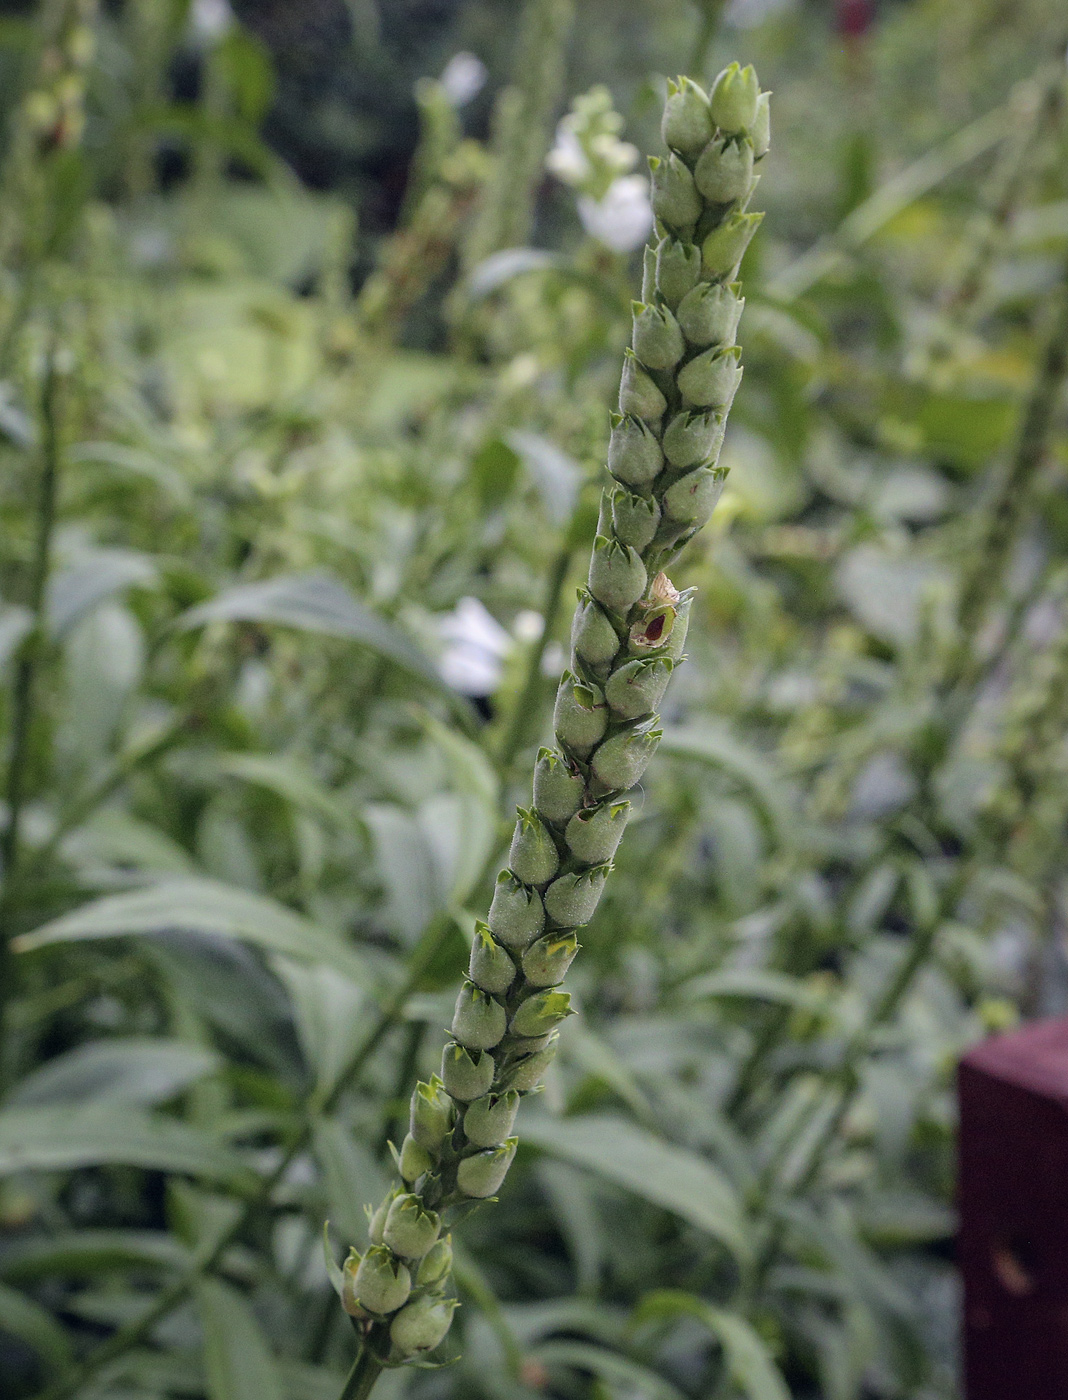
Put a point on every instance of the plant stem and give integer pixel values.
(130, 1336)
(361, 1380)
(711, 14)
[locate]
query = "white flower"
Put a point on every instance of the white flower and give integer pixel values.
(567, 160)
(475, 648)
(464, 78)
(623, 219)
(211, 18)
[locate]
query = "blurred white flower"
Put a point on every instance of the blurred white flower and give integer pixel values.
(464, 78)
(475, 648)
(528, 625)
(567, 160)
(623, 219)
(210, 19)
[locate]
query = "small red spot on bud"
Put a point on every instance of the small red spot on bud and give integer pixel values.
(655, 629)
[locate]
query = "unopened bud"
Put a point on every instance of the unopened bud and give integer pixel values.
(709, 315)
(593, 638)
(678, 266)
(621, 760)
(674, 197)
(431, 1114)
(410, 1228)
(490, 967)
(594, 833)
(349, 1300)
(481, 1175)
(656, 338)
(693, 498)
(377, 1222)
(516, 915)
(422, 1325)
(687, 120)
(527, 1073)
(573, 900)
(382, 1282)
(693, 438)
(489, 1120)
(722, 250)
(533, 856)
(579, 717)
(479, 1022)
(677, 640)
(634, 455)
(648, 273)
(414, 1160)
(634, 518)
(467, 1074)
(637, 687)
(734, 98)
(558, 787)
(724, 170)
(617, 575)
(711, 379)
(546, 961)
(435, 1264)
(760, 132)
(541, 1013)
(638, 395)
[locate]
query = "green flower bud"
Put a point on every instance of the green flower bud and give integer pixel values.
(687, 121)
(634, 455)
(637, 687)
(594, 833)
(431, 1114)
(467, 1075)
(435, 1264)
(593, 638)
(617, 575)
(722, 250)
(349, 1300)
(479, 1022)
(414, 1160)
(533, 857)
(481, 1175)
(760, 132)
(693, 498)
(579, 716)
(675, 200)
(382, 1281)
(677, 639)
(558, 788)
(573, 900)
(678, 266)
(709, 315)
(546, 961)
(638, 395)
(527, 1073)
(377, 1222)
(490, 967)
(516, 915)
(521, 1045)
(622, 759)
(656, 338)
(542, 1013)
(712, 378)
(648, 273)
(734, 98)
(653, 630)
(422, 1325)
(488, 1121)
(724, 170)
(410, 1228)
(634, 518)
(694, 437)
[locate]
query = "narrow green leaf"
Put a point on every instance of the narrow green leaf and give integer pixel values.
(21, 1317)
(237, 1359)
(658, 1171)
(608, 1366)
(83, 1253)
(196, 905)
(749, 1365)
(135, 1070)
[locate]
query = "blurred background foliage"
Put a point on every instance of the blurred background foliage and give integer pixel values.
(305, 360)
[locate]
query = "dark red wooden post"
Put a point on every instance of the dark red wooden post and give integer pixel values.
(1013, 1194)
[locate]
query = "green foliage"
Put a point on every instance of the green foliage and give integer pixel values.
(259, 747)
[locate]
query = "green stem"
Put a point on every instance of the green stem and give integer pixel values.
(134, 1333)
(361, 1380)
(711, 14)
(526, 705)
